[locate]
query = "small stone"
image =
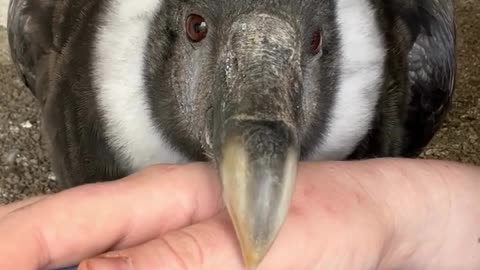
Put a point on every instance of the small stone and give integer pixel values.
(14, 129)
(432, 152)
(36, 137)
(52, 177)
(26, 124)
(28, 176)
(11, 156)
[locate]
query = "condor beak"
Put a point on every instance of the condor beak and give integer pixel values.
(258, 172)
(255, 122)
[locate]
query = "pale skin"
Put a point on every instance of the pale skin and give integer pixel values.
(377, 214)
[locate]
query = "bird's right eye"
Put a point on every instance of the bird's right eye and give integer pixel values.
(196, 28)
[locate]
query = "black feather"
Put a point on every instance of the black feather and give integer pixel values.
(30, 36)
(432, 68)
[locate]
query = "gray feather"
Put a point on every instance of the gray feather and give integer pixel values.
(30, 36)
(432, 67)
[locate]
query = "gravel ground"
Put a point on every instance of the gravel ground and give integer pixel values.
(24, 168)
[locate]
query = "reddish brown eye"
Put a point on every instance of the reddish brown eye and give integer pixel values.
(316, 45)
(196, 28)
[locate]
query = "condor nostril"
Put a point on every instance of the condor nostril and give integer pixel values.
(316, 42)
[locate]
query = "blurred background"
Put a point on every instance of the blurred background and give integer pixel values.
(24, 167)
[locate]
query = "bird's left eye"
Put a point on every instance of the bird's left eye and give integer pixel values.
(196, 28)
(316, 42)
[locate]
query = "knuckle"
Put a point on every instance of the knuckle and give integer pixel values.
(42, 246)
(185, 251)
(172, 256)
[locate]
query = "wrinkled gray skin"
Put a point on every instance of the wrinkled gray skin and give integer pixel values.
(244, 78)
(250, 108)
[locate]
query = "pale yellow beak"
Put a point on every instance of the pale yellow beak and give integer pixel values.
(257, 189)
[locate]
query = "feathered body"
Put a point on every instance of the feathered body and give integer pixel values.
(120, 88)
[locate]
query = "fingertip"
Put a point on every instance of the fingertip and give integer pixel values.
(196, 186)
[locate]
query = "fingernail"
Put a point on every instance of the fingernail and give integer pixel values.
(106, 263)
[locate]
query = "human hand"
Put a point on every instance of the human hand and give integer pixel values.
(380, 214)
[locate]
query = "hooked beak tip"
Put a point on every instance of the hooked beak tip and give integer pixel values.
(257, 193)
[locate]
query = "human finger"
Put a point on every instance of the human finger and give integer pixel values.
(58, 231)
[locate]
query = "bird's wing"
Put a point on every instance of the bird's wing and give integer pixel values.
(30, 36)
(432, 67)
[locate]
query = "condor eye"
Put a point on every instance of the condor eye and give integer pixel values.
(196, 27)
(316, 42)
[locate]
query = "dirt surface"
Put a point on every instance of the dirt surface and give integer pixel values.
(24, 168)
